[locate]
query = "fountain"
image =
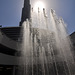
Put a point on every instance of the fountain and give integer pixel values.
(46, 46)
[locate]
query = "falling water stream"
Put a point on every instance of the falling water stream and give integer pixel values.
(46, 46)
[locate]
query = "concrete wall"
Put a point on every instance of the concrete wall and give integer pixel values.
(8, 60)
(4, 40)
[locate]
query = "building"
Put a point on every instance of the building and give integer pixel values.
(73, 42)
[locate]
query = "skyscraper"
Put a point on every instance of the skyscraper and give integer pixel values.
(25, 11)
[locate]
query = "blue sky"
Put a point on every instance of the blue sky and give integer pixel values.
(10, 11)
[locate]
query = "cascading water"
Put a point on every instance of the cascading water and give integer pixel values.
(46, 51)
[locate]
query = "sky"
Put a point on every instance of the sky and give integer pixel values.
(10, 11)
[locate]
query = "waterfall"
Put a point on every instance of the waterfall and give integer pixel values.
(44, 50)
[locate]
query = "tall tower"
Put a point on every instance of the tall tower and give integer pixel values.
(25, 11)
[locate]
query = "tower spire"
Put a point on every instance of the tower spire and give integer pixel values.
(25, 11)
(26, 2)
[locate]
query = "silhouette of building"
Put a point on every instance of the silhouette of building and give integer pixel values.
(25, 11)
(72, 36)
